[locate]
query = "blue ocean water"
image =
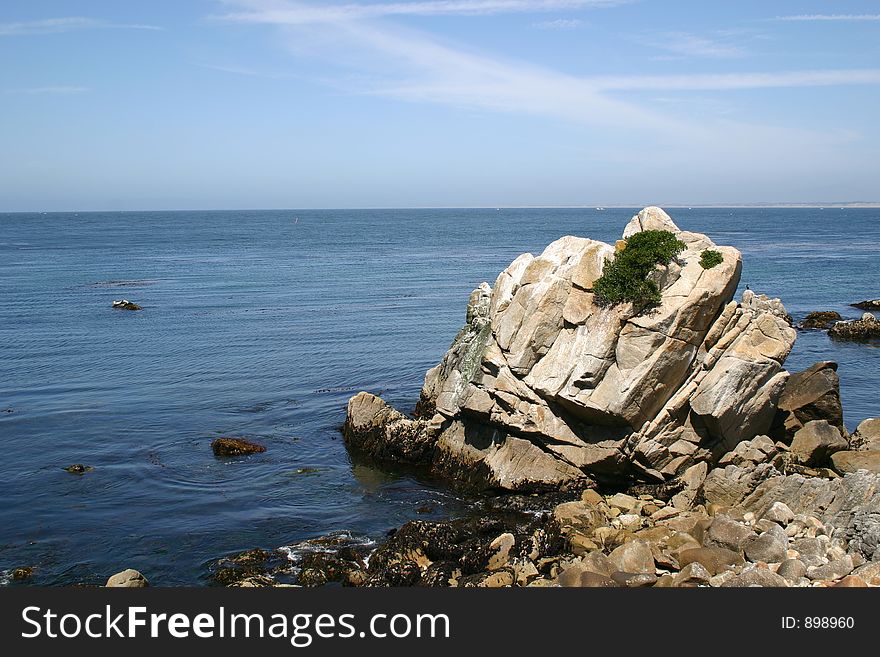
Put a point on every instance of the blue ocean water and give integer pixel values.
(261, 324)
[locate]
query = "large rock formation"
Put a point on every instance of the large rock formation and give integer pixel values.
(544, 387)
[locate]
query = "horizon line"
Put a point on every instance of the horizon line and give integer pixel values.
(584, 206)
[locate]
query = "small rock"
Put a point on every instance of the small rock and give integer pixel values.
(834, 570)
(633, 557)
(591, 497)
(868, 571)
(694, 574)
(867, 435)
(502, 546)
(869, 304)
(595, 581)
(727, 533)
(235, 447)
(580, 575)
(763, 525)
(524, 571)
(835, 553)
(665, 582)
(130, 579)
(630, 521)
(581, 544)
(78, 469)
(721, 578)
(125, 304)
(22, 573)
(681, 541)
(609, 537)
(634, 580)
(598, 563)
(664, 513)
(625, 503)
(580, 516)
(766, 548)
(756, 577)
(853, 582)
(779, 512)
(496, 580)
(692, 479)
(713, 559)
(792, 570)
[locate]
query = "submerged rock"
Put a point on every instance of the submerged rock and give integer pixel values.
(859, 330)
(22, 573)
(235, 447)
(821, 319)
(249, 568)
(125, 304)
(78, 469)
(545, 387)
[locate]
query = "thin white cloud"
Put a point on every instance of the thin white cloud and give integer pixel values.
(390, 61)
(58, 89)
(248, 72)
(559, 24)
(303, 14)
(66, 24)
(829, 17)
(692, 45)
(738, 81)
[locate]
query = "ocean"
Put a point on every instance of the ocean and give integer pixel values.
(261, 324)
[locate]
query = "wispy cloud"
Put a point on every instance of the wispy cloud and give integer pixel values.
(414, 66)
(829, 17)
(387, 60)
(248, 71)
(58, 89)
(738, 81)
(559, 24)
(302, 14)
(66, 24)
(692, 45)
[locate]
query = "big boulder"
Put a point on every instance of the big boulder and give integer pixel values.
(815, 442)
(546, 386)
(813, 394)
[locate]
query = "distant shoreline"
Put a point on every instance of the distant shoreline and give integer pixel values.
(616, 206)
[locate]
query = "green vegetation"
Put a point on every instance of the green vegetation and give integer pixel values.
(710, 258)
(625, 278)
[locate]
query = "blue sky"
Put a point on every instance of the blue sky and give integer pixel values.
(366, 103)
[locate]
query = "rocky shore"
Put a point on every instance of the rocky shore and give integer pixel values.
(629, 430)
(736, 471)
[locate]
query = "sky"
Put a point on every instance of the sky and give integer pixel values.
(228, 104)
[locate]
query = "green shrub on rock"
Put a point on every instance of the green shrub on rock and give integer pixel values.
(710, 258)
(625, 278)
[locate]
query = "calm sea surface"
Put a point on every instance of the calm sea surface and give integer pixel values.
(261, 325)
